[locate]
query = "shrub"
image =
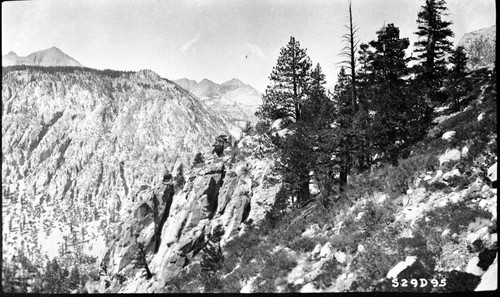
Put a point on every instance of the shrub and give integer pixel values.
(275, 265)
(245, 171)
(179, 179)
(436, 186)
(248, 129)
(453, 216)
(329, 271)
(302, 244)
(371, 265)
(198, 159)
(262, 127)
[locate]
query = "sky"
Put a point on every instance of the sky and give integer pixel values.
(214, 39)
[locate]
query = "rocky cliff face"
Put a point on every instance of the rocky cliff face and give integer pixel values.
(222, 192)
(480, 46)
(48, 57)
(77, 144)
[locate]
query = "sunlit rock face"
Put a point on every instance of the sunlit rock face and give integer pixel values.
(221, 192)
(77, 145)
(480, 47)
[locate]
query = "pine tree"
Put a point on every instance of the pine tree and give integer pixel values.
(285, 97)
(179, 177)
(219, 145)
(296, 162)
(344, 118)
(391, 97)
(319, 114)
(212, 260)
(290, 80)
(433, 43)
(140, 260)
(198, 159)
(457, 81)
(387, 66)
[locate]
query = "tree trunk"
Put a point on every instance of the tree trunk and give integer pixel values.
(303, 191)
(352, 54)
(343, 178)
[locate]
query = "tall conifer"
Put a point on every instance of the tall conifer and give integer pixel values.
(289, 82)
(433, 43)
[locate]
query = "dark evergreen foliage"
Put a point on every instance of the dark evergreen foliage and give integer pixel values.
(198, 159)
(399, 114)
(220, 143)
(433, 43)
(141, 261)
(289, 84)
(179, 179)
(457, 82)
(66, 69)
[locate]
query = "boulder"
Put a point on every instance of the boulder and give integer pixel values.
(327, 250)
(436, 178)
(448, 136)
(472, 267)
(481, 233)
(450, 174)
(311, 231)
(393, 273)
(308, 288)
(480, 117)
(313, 187)
(492, 174)
(316, 250)
(449, 155)
(340, 257)
(276, 125)
(446, 233)
(489, 280)
(249, 287)
(465, 151)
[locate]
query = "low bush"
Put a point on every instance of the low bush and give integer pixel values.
(453, 216)
(329, 271)
(302, 244)
(275, 265)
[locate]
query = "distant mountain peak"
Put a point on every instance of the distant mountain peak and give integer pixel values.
(205, 81)
(48, 57)
(234, 82)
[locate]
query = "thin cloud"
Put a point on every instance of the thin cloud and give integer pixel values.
(189, 43)
(254, 49)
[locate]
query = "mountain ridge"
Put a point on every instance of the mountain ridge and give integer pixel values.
(48, 57)
(480, 46)
(236, 101)
(81, 142)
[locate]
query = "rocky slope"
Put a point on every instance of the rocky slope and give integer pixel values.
(78, 143)
(480, 47)
(48, 57)
(432, 217)
(231, 191)
(236, 101)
